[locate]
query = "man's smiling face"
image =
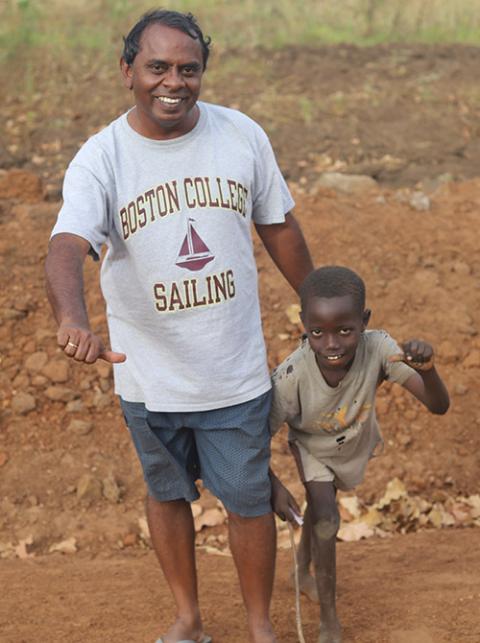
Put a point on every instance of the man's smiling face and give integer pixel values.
(165, 78)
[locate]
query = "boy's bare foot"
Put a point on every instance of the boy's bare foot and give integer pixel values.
(330, 632)
(308, 586)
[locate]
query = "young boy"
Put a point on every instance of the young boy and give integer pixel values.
(325, 391)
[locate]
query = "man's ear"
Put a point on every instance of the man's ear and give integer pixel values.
(366, 317)
(127, 73)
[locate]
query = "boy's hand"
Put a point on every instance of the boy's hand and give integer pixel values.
(417, 354)
(283, 503)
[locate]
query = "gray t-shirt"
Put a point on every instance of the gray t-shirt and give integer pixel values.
(179, 275)
(335, 424)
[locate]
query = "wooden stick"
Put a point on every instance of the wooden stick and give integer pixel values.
(298, 613)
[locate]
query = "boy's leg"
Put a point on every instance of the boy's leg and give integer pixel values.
(325, 522)
(173, 538)
(308, 585)
(253, 545)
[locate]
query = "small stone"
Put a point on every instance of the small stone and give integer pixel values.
(21, 381)
(405, 440)
(39, 381)
(103, 369)
(36, 361)
(9, 314)
(129, 540)
(57, 371)
(472, 360)
(448, 352)
(80, 427)
(43, 333)
(60, 394)
(144, 530)
(85, 384)
(3, 458)
(461, 268)
(68, 546)
(347, 183)
(30, 346)
(23, 403)
(89, 488)
(75, 406)
(101, 400)
(104, 385)
(460, 389)
(110, 489)
(420, 201)
(25, 305)
(382, 405)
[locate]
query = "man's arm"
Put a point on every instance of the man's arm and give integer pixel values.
(64, 278)
(286, 245)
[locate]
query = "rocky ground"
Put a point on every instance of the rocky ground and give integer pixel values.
(72, 528)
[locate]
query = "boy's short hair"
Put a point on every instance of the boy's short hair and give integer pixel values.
(333, 281)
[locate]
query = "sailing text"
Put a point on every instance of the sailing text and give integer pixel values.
(192, 293)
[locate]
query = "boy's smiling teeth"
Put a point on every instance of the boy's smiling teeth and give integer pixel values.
(332, 358)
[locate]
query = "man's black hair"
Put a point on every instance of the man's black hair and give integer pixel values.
(333, 281)
(185, 22)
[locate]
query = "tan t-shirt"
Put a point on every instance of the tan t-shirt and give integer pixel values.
(336, 426)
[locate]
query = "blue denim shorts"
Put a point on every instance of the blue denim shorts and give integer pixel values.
(229, 449)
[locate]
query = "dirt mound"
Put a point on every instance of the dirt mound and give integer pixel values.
(62, 423)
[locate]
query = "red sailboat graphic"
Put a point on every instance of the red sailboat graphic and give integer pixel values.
(193, 254)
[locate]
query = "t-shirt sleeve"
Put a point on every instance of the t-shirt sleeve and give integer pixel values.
(271, 197)
(85, 207)
(398, 372)
(284, 399)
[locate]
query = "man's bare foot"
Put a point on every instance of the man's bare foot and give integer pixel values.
(182, 630)
(263, 634)
(330, 632)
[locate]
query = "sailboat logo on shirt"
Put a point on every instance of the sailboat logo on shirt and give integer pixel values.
(194, 253)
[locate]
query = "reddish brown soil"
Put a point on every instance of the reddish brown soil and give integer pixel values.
(416, 106)
(422, 588)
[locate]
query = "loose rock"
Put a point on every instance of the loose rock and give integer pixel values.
(60, 394)
(23, 403)
(80, 427)
(36, 361)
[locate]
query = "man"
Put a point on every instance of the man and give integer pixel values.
(171, 188)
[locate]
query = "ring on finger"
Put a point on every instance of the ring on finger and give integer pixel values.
(72, 345)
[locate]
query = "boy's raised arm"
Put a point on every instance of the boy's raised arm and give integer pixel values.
(426, 384)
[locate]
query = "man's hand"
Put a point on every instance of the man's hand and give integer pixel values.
(283, 503)
(85, 346)
(417, 354)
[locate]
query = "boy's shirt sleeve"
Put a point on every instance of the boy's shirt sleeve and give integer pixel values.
(398, 372)
(284, 399)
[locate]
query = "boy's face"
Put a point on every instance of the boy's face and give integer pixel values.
(334, 326)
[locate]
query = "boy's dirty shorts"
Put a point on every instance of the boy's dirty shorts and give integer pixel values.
(229, 449)
(346, 468)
